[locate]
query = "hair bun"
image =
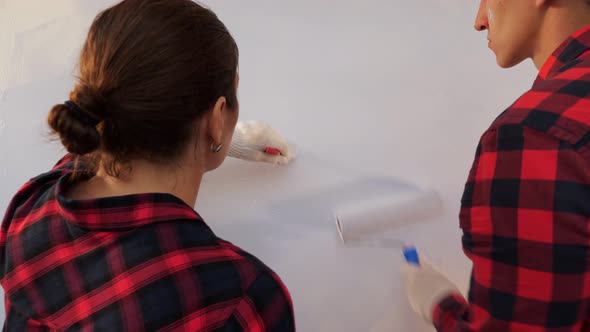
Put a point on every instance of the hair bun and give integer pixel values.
(77, 130)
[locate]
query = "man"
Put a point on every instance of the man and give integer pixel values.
(525, 211)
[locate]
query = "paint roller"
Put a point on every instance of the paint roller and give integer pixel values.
(361, 223)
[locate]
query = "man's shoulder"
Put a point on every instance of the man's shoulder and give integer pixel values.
(558, 106)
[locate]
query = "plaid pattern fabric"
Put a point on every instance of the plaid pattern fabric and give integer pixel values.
(132, 263)
(526, 209)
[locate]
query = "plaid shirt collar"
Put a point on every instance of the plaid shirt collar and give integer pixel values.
(121, 213)
(565, 55)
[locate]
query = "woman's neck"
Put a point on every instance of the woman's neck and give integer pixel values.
(142, 177)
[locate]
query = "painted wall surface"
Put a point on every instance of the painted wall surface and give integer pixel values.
(378, 95)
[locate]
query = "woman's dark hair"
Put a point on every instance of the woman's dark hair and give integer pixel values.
(148, 70)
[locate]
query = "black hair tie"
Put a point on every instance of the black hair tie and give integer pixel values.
(81, 115)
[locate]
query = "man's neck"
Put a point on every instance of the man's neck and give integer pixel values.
(559, 23)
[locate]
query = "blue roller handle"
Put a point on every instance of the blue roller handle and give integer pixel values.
(411, 255)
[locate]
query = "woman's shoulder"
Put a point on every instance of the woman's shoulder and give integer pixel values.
(263, 292)
(220, 270)
(259, 272)
(213, 257)
(36, 191)
(195, 235)
(207, 251)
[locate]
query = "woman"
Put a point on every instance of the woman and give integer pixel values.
(108, 240)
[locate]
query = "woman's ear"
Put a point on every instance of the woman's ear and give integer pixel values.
(541, 3)
(215, 123)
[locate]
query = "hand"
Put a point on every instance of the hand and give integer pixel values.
(252, 139)
(426, 287)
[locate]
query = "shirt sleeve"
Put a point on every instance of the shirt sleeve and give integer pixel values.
(266, 307)
(524, 216)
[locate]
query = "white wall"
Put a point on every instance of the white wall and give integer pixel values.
(375, 93)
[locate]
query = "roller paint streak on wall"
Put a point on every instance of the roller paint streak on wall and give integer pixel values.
(364, 223)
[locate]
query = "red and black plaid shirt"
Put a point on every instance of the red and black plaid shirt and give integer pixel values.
(526, 208)
(131, 263)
